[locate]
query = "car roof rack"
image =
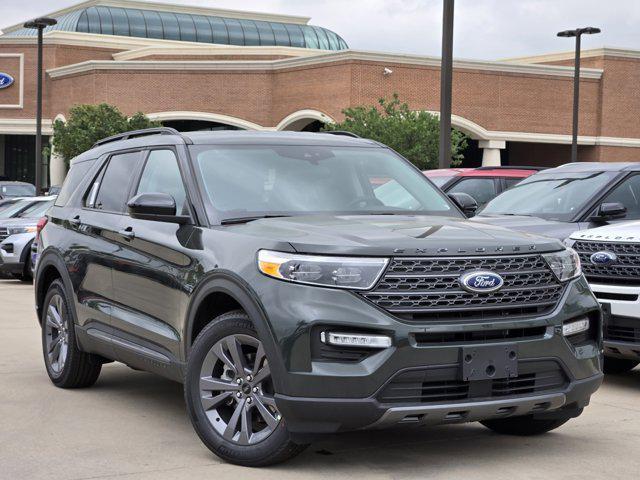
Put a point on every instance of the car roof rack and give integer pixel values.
(512, 167)
(138, 133)
(342, 133)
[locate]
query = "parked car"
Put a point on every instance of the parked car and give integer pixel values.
(576, 196)
(7, 202)
(263, 270)
(16, 236)
(483, 183)
(16, 189)
(611, 262)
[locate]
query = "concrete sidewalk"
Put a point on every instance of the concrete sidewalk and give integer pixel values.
(133, 425)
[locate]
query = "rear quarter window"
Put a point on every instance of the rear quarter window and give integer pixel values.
(74, 178)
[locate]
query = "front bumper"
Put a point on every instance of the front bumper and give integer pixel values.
(316, 395)
(324, 415)
(622, 319)
(13, 253)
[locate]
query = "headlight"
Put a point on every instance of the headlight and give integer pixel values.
(342, 272)
(565, 264)
(17, 230)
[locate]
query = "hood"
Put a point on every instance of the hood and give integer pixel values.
(18, 222)
(393, 235)
(619, 233)
(533, 225)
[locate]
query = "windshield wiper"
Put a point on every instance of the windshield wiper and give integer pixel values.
(238, 220)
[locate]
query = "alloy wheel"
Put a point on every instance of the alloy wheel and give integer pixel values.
(236, 391)
(57, 334)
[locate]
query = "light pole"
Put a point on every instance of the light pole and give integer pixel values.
(39, 24)
(578, 32)
(446, 76)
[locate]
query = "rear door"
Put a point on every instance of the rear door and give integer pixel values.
(97, 224)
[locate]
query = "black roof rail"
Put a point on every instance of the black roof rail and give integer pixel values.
(512, 167)
(138, 133)
(342, 133)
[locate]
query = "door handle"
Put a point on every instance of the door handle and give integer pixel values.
(75, 221)
(127, 233)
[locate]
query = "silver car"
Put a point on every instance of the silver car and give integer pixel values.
(17, 233)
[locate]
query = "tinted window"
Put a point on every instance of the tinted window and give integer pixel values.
(114, 186)
(17, 191)
(73, 180)
(628, 194)
(440, 180)
(481, 189)
(170, 26)
(187, 28)
(510, 182)
(162, 175)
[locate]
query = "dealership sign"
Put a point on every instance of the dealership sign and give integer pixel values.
(6, 80)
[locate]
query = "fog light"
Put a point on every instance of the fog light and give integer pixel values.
(355, 340)
(578, 326)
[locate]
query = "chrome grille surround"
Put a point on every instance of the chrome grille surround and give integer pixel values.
(626, 271)
(428, 288)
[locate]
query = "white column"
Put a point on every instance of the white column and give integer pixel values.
(57, 168)
(491, 152)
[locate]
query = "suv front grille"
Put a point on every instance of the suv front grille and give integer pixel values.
(4, 234)
(625, 272)
(622, 329)
(419, 289)
(441, 384)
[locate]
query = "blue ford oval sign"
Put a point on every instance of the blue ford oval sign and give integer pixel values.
(6, 80)
(481, 282)
(604, 258)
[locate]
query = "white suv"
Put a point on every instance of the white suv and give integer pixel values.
(610, 259)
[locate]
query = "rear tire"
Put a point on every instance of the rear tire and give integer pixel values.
(229, 395)
(67, 366)
(614, 365)
(525, 426)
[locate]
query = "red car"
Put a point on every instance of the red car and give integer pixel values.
(483, 183)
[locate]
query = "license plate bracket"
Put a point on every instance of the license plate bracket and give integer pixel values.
(489, 362)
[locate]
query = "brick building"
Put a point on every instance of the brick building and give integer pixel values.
(197, 68)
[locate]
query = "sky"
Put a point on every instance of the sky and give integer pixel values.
(484, 29)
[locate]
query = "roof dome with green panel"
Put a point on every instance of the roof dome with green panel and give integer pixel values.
(175, 22)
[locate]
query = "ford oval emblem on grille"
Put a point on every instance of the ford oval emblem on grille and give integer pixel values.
(604, 258)
(481, 281)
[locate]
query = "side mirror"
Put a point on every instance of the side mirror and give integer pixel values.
(465, 202)
(609, 211)
(158, 207)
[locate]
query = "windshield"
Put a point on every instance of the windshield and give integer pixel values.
(251, 181)
(17, 190)
(552, 196)
(36, 210)
(440, 180)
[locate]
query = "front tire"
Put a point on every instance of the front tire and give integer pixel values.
(526, 425)
(67, 366)
(614, 365)
(229, 395)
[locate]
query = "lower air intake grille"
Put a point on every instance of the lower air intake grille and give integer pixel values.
(441, 384)
(622, 329)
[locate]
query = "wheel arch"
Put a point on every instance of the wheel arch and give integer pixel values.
(50, 268)
(231, 286)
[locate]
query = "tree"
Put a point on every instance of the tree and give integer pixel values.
(415, 135)
(89, 123)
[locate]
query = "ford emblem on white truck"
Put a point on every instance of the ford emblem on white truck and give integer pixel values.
(604, 258)
(481, 282)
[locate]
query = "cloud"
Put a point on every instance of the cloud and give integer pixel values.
(485, 29)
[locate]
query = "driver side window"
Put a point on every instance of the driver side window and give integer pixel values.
(161, 174)
(628, 194)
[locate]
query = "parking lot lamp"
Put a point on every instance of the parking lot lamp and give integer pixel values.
(39, 24)
(578, 32)
(446, 76)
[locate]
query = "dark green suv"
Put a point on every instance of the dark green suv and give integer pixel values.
(302, 284)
